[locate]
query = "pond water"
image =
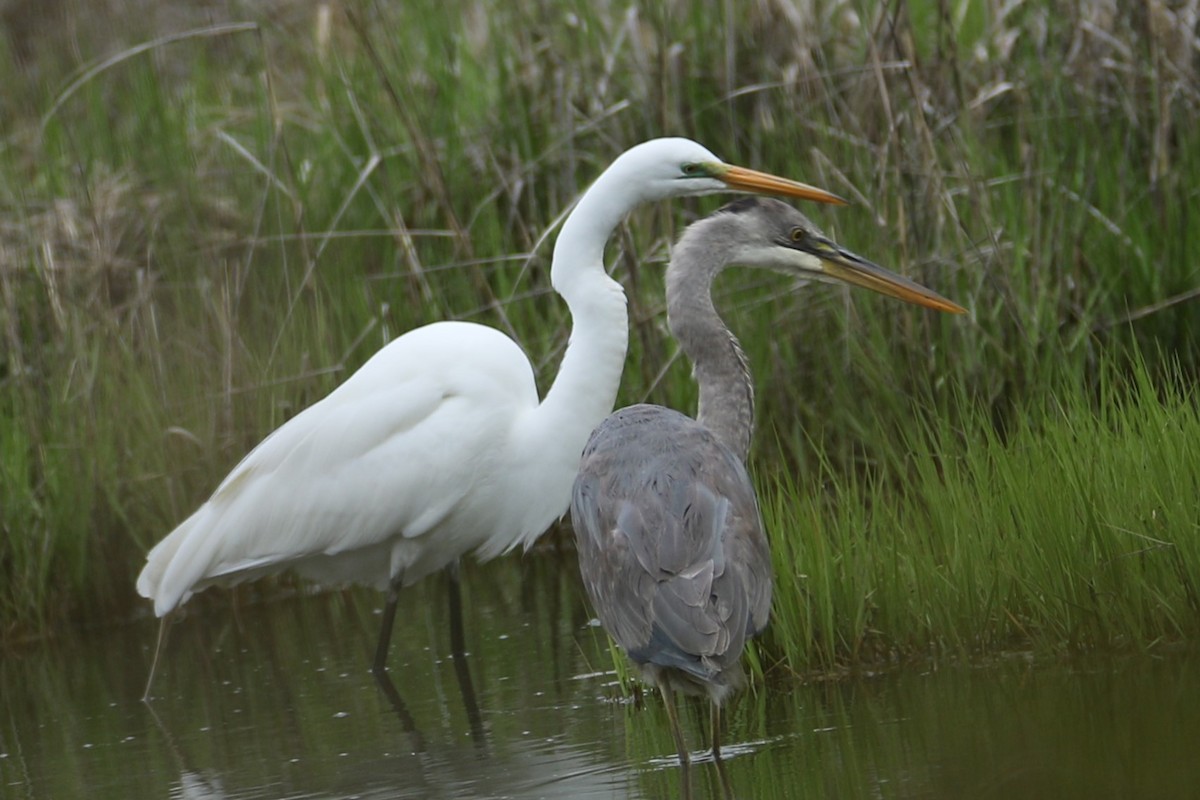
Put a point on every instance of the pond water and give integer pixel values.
(274, 700)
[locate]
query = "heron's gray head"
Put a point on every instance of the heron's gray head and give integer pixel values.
(764, 232)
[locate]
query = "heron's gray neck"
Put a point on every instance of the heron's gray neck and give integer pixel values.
(719, 365)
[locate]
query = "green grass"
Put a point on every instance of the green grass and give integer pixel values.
(1077, 530)
(200, 238)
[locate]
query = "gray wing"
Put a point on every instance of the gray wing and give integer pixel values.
(670, 539)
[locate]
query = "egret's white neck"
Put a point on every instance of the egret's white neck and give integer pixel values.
(585, 390)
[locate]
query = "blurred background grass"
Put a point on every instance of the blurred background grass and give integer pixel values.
(211, 214)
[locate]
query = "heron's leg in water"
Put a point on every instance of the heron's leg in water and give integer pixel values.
(726, 785)
(673, 715)
(389, 620)
(716, 731)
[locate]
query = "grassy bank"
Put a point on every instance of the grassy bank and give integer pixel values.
(1077, 530)
(203, 236)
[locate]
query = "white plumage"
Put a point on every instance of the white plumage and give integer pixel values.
(352, 488)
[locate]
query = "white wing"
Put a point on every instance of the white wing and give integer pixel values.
(390, 455)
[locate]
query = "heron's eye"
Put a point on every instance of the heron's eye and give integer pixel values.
(693, 170)
(799, 234)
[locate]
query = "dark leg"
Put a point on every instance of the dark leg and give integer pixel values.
(722, 773)
(458, 641)
(385, 632)
(384, 681)
(685, 760)
(458, 649)
(716, 732)
(162, 639)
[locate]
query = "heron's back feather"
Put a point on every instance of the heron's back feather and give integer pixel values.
(671, 543)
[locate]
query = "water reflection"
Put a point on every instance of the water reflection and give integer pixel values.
(277, 700)
(416, 768)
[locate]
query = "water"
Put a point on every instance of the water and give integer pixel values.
(274, 700)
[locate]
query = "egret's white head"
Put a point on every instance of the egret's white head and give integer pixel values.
(675, 167)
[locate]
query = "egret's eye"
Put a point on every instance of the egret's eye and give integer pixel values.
(693, 170)
(799, 234)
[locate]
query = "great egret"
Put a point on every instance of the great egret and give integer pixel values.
(671, 543)
(438, 445)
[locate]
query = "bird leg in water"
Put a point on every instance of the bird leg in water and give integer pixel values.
(685, 760)
(384, 682)
(726, 784)
(716, 732)
(458, 641)
(458, 650)
(389, 619)
(162, 638)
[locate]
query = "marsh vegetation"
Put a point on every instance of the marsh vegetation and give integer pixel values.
(206, 224)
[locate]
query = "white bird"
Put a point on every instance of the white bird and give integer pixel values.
(671, 543)
(439, 445)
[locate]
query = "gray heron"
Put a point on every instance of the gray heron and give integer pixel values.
(671, 544)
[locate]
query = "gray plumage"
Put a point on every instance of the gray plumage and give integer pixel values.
(670, 539)
(678, 566)
(726, 390)
(671, 543)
